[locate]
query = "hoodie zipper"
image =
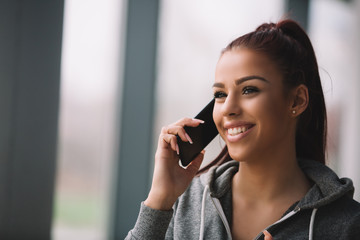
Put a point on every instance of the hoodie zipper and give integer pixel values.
(219, 210)
(289, 215)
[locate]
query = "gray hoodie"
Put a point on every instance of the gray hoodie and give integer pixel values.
(204, 211)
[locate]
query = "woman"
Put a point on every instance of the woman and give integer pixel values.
(271, 180)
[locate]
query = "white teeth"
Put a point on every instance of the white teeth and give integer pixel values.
(236, 131)
(231, 131)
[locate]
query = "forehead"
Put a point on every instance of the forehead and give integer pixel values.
(239, 63)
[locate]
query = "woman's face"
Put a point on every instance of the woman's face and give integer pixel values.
(251, 111)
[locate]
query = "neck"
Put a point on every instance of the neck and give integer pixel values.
(270, 180)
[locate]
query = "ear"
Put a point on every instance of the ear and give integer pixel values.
(299, 100)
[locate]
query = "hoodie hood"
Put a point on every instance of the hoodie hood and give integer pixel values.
(204, 211)
(327, 186)
(218, 178)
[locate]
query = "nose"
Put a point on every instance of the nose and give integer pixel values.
(231, 106)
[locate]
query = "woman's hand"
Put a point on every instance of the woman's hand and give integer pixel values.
(170, 180)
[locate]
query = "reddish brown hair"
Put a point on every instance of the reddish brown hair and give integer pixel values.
(288, 45)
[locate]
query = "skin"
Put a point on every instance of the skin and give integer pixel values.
(267, 235)
(249, 93)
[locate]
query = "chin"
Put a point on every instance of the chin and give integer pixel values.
(238, 156)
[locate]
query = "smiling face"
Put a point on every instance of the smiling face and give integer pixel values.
(252, 112)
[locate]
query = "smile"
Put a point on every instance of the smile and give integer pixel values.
(236, 133)
(238, 130)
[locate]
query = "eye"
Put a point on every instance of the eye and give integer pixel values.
(249, 90)
(219, 95)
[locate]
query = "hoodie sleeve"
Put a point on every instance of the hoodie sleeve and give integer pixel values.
(150, 224)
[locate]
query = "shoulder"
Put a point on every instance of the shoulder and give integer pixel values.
(339, 218)
(352, 230)
(348, 217)
(344, 209)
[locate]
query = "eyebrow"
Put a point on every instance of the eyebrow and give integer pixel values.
(241, 80)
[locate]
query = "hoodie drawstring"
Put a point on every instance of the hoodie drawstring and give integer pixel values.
(202, 219)
(311, 227)
(220, 211)
(222, 215)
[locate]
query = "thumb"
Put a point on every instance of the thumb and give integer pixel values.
(267, 235)
(194, 166)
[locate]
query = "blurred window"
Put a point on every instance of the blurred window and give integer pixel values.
(89, 80)
(334, 32)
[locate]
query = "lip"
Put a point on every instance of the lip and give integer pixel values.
(239, 136)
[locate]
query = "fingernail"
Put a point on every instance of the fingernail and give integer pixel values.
(199, 120)
(177, 149)
(188, 138)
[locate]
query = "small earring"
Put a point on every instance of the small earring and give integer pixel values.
(293, 111)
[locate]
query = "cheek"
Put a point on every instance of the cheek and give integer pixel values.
(271, 111)
(217, 116)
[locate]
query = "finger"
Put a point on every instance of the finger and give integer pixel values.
(177, 149)
(178, 130)
(191, 122)
(194, 166)
(267, 235)
(171, 140)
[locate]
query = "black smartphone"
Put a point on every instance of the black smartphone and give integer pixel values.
(201, 135)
